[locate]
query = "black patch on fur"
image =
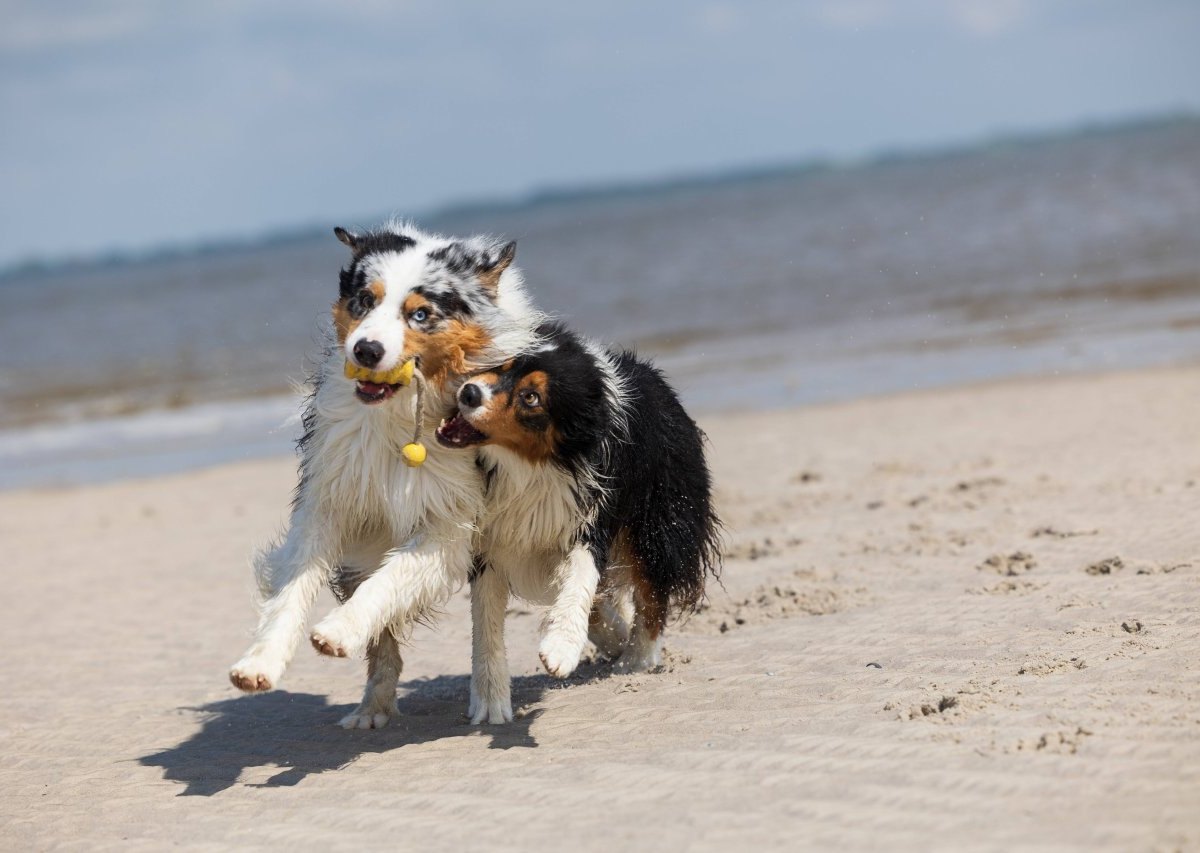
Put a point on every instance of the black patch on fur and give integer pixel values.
(339, 585)
(448, 303)
(378, 242)
(351, 278)
(360, 303)
(461, 259)
(457, 259)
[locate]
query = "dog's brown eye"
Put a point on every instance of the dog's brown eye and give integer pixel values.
(531, 399)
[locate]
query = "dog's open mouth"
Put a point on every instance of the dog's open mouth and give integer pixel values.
(455, 431)
(374, 392)
(375, 386)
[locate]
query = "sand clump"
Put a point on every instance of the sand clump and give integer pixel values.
(1012, 565)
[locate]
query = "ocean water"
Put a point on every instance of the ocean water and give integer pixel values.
(1061, 255)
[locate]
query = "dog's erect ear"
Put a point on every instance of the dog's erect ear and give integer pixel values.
(490, 269)
(346, 237)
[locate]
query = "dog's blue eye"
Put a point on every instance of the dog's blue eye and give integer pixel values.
(420, 315)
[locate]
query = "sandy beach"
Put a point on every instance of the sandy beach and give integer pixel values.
(962, 619)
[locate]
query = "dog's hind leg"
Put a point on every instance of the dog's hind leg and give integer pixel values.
(384, 662)
(491, 687)
(384, 665)
(565, 632)
(289, 577)
(610, 622)
(644, 650)
(650, 603)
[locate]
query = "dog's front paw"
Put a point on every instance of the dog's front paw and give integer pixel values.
(495, 712)
(494, 707)
(326, 646)
(331, 638)
(560, 655)
(255, 674)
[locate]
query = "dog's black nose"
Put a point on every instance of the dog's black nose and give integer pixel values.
(470, 396)
(368, 353)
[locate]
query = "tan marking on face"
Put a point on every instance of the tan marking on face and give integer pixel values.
(501, 419)
(446, 352)
(346, 324)
(539, 383)
(490, 379)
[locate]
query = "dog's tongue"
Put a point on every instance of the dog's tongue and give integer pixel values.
(372, 387)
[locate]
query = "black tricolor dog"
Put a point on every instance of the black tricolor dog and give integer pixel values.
(597, 483)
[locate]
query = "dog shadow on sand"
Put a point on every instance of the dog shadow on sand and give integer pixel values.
(298, 732)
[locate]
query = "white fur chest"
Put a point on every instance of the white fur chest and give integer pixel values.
(530, 521)
(355, 471)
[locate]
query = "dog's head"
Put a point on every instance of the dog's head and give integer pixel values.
(547, 405)
(451, 305)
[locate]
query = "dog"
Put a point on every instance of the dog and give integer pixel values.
(395, 540)
(598, 504)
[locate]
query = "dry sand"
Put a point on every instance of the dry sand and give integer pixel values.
(952, 620)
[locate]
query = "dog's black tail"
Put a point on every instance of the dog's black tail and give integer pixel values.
(668, 523)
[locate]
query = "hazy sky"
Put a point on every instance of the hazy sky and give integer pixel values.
(133, 123)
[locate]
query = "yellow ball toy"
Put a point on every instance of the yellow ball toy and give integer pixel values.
(414, 454)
